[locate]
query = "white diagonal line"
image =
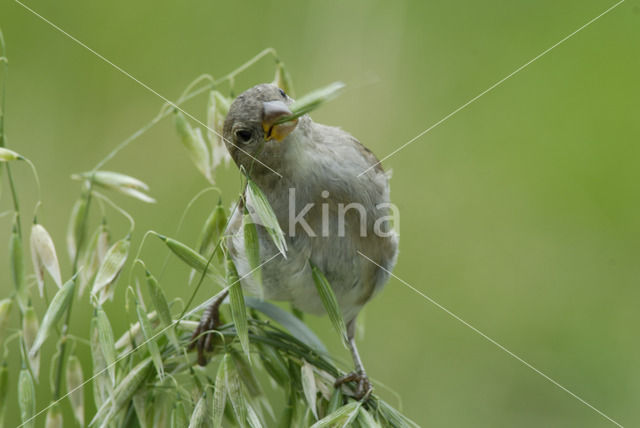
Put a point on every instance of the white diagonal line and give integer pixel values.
(138, 347)
(144, 85)
(491, 340)
(498, 83)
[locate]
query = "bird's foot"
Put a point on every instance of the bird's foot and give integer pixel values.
(363, 385)
(202, 338)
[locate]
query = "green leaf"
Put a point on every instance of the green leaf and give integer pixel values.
(296, 327)
(329, 301)
(267, 218)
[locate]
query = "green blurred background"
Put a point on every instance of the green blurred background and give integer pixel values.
(520, 214)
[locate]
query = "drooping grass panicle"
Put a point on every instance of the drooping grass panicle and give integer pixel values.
(148, 374)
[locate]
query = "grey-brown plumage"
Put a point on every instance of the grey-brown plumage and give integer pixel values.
(318, 169)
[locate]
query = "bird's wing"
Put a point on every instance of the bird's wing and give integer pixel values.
(371, 159)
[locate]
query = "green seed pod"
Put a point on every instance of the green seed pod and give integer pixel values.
(159, 301)
(57, 307)
(186, 254)
(113, 180)
(194, 142)
(124, 392)
(152, 345)
(223, 103)
(238, 310)
(16, 256)
(252, 250)
(106, 342)
(54, 417)
(283, 79)
(366, 420)
(90, 260)
(216, 112)
(179, 415)
(119, 182)
(140, 406)
(5, 312)
(212, 231)
(101, 382)
(266, 216)
(312, 101)
(7, 155)
(29, 332)
(134, 334)
(77, 227)
(235, 393)
(4, 391)
(75, 379)
(220, 393)
(309, 386)
(343, 416)
(336, 401)
(199, 415)
(109, 270)
(26, 398)
(43, 254)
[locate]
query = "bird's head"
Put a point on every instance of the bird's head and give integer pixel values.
(251, 128)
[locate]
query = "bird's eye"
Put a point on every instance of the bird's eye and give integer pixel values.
(282, 93)
(243, 135)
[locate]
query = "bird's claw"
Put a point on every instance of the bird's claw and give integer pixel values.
(363, 385)
(202, 337)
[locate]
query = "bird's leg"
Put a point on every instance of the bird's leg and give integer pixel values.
(203, 335)
(359, 375)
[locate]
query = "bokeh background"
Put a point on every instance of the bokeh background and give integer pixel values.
(521, 213)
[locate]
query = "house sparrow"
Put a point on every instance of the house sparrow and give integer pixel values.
(327, 213)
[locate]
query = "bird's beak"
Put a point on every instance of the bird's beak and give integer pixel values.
(272, 112)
